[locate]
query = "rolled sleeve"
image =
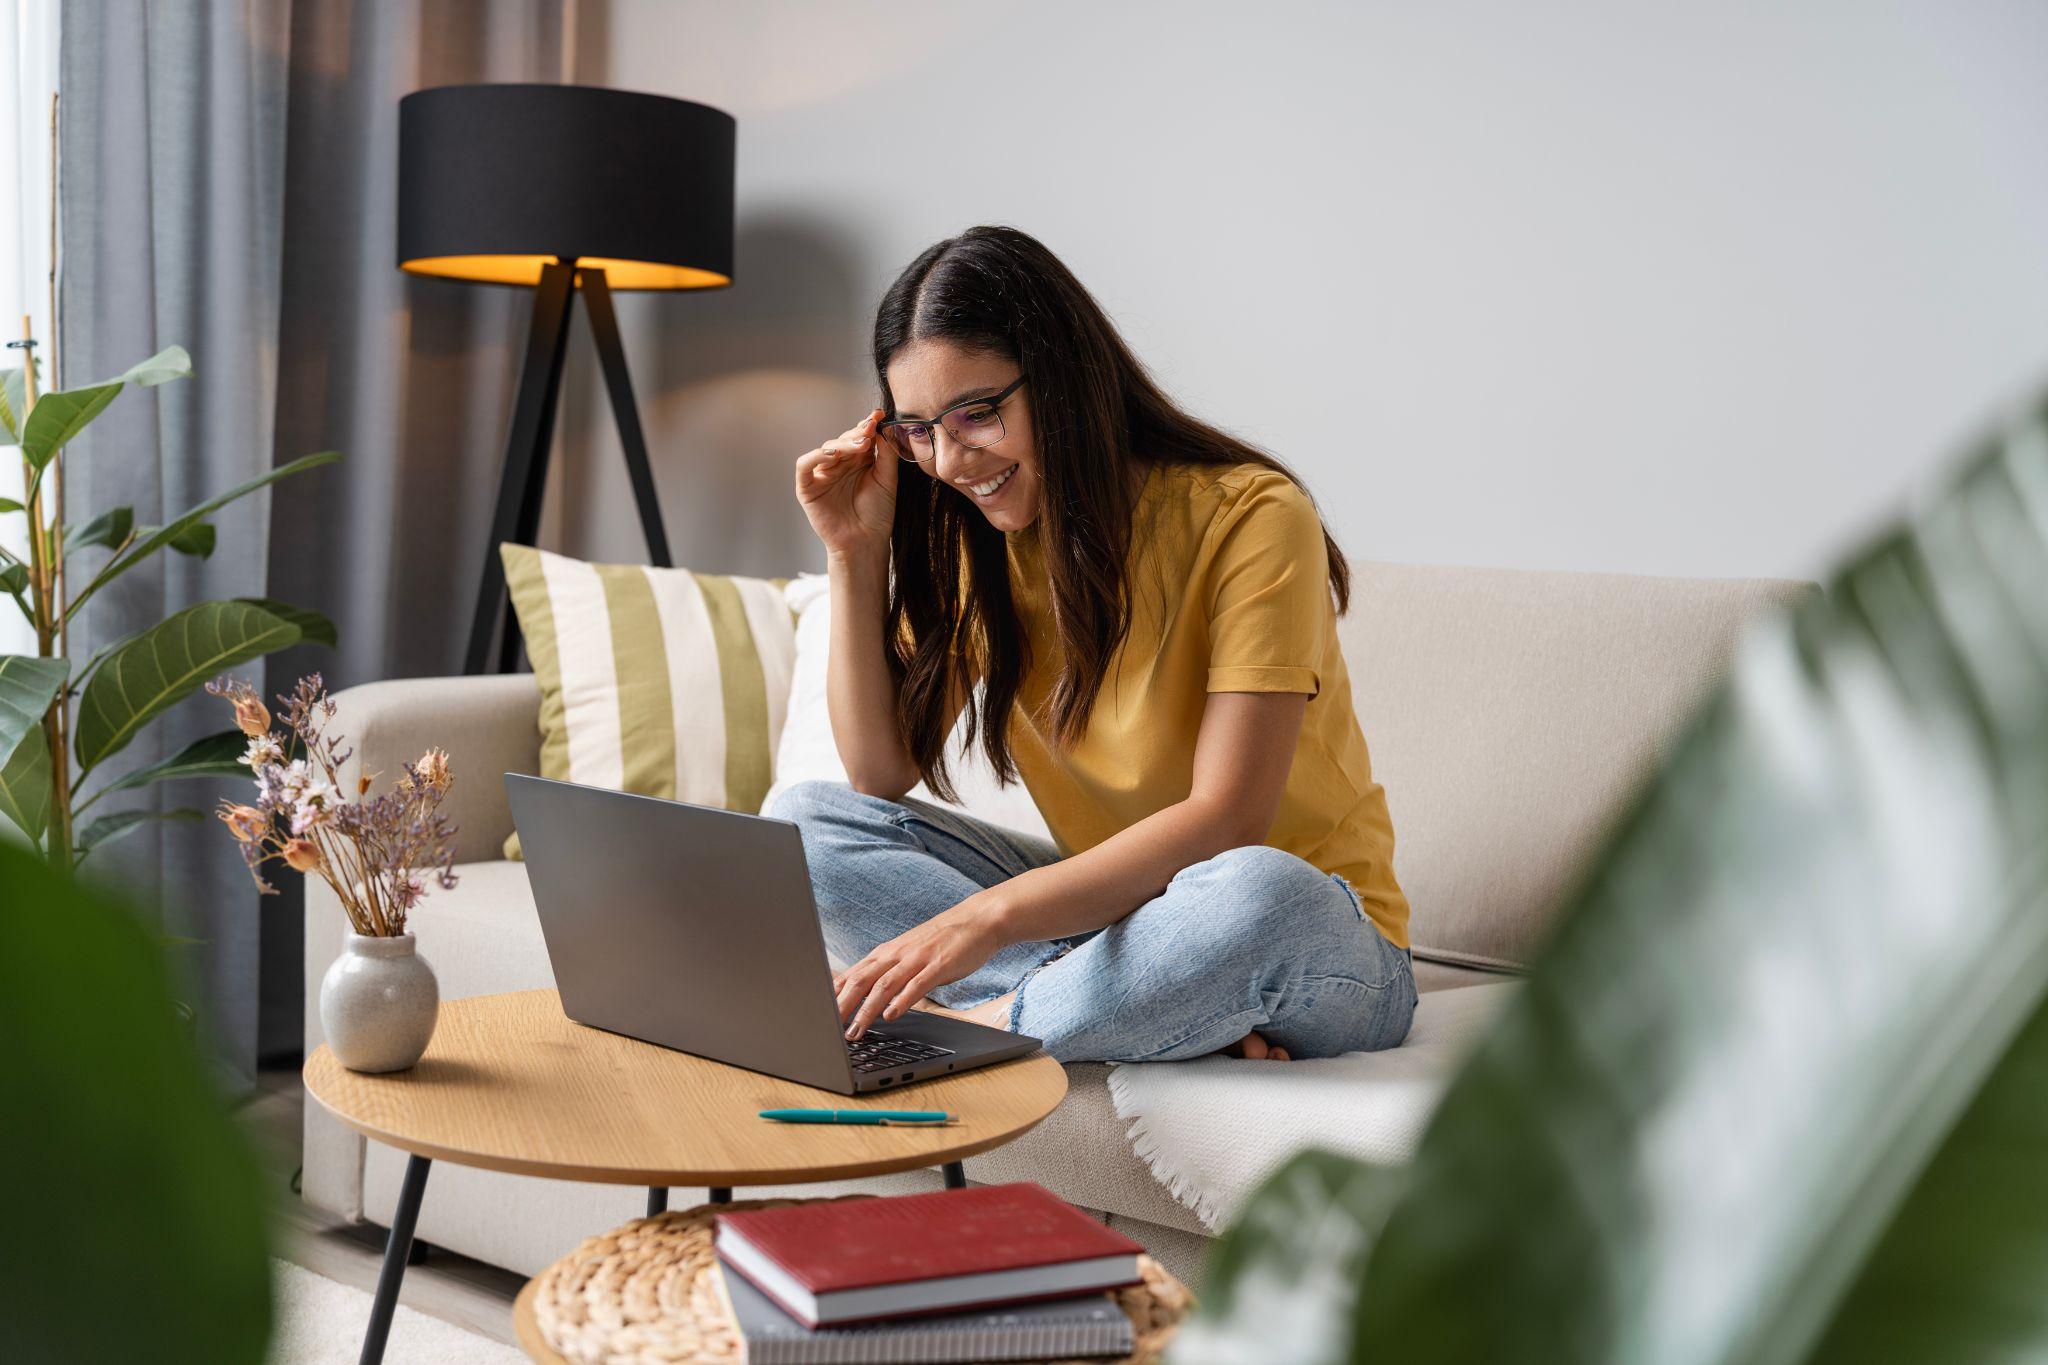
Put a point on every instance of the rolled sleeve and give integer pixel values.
(1271, 618)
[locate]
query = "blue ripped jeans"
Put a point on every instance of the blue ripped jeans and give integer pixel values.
(1253, 938)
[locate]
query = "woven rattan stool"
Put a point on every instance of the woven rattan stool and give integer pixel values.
(647, 1292)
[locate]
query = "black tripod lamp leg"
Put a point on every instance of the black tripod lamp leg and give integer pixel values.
(611, 353)
(527, 528)
(533, 428)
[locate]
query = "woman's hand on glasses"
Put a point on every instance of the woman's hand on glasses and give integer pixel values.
(848, 490)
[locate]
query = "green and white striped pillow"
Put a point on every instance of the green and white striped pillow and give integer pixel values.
(656, 681)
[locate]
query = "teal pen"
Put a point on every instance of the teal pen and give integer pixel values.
(882, 1117)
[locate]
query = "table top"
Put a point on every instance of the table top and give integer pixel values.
(510, 1083)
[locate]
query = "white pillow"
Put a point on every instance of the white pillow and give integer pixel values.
(807, 752)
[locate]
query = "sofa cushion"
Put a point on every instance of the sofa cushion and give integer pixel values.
(1511, 714)
(484, 937)
(656, 681)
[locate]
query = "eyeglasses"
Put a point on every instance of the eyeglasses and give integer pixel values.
(973, 424)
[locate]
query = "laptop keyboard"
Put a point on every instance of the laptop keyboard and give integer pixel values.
(878, 1051)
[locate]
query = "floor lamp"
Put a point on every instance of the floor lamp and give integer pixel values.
(564, 190)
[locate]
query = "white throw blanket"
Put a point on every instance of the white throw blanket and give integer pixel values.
(1213, 1129)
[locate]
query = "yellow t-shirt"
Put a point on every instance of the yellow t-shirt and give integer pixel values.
(1230, 592)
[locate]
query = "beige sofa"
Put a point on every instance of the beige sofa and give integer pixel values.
(1509, 714)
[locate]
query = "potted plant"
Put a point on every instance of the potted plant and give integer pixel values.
(379, 1000)
(61, 720)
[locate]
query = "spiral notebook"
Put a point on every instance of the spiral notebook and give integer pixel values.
(1052, 1330)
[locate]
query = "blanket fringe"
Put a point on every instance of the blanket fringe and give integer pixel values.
(1184, 1191)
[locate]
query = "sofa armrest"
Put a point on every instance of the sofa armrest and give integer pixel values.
(489, 725)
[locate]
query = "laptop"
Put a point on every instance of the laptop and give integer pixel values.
(694, 928)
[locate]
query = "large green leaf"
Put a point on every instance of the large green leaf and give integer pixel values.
(57, 417)
(109, 528)
(25, 784)
(166, 663)
(313, 626)
(1775, 1088)
(170, 363)
(195, 539)
(182, 530)
(135, 1225)
(212, 756)
(108, 828)
(27, 686)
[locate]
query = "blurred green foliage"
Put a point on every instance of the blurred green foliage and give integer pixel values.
(134, 1223)
(1777, 1087)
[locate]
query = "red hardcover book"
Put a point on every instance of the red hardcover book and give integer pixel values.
(855, 1260)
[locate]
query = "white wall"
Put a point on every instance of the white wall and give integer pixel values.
(1665, 289)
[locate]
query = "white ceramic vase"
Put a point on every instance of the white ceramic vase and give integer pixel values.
(378, 1003)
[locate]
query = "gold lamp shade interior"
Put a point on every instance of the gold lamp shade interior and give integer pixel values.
(508, 269)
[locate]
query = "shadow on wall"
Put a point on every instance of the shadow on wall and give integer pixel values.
(733, 386)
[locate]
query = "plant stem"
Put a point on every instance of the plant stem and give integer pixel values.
(46, 608)
(57, 474)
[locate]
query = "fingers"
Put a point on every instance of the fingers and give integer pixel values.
(814, 474)
(913, 991)
(858, 439)
(883, 989)
(853, 985)
(879, 993)
(853, 449)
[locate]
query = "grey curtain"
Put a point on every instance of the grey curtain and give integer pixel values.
(227, 183)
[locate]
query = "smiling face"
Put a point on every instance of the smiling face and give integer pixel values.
(1002, 479)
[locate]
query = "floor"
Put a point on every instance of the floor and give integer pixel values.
(444, 1285)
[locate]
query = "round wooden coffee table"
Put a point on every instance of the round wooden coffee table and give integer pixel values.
(510, 1083)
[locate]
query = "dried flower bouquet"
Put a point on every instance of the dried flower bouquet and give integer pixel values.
(375, 851)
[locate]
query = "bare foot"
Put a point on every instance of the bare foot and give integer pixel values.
(1255, 1047)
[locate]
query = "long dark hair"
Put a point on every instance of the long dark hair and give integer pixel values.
(1100, 420)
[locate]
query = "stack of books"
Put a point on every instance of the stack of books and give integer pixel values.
(1000, 1272)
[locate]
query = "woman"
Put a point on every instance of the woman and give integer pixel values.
(1148, 607)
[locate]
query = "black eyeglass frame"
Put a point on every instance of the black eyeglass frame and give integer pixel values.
(893, 427)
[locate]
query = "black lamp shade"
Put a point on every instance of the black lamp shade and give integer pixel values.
(496, 181)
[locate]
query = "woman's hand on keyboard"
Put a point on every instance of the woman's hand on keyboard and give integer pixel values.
(893, 978)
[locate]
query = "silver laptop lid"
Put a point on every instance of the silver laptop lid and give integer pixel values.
(682, 925)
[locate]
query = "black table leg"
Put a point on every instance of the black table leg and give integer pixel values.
(396, 1249)
(721, 1194)
(956, 1175)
